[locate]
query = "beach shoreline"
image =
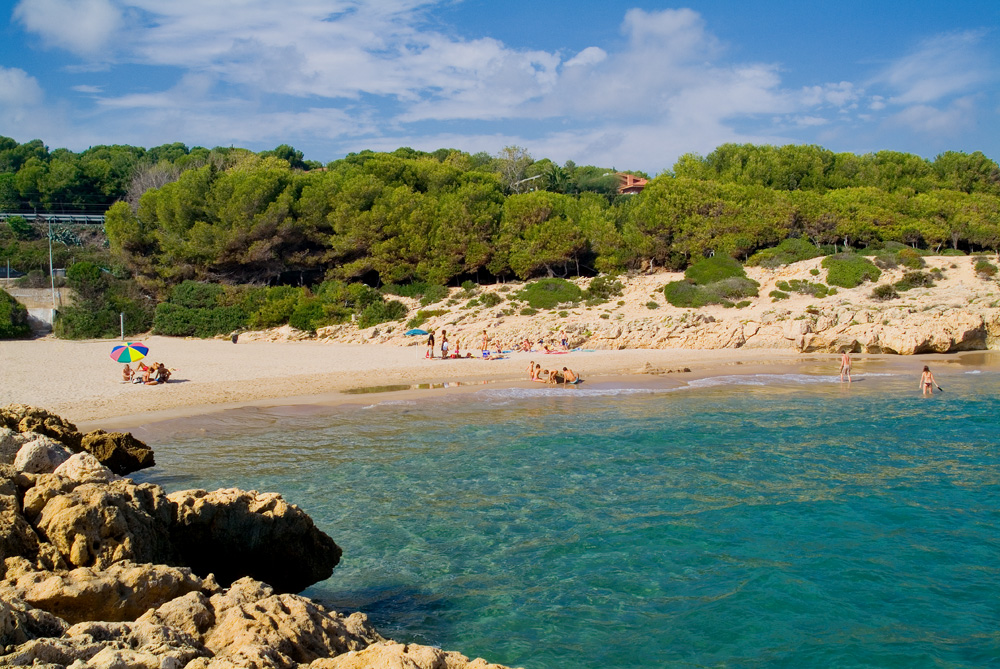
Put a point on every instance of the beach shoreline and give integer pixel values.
(79, 381)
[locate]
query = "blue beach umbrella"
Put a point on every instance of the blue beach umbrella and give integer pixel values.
(415, 332)
(129, 352)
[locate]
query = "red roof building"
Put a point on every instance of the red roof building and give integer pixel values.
(629, 184)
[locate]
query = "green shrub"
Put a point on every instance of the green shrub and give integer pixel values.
(36, 278)
(884, 292)
(308, 314)
(21, 228)
(13, 318)
(985, 269)
(910, 258)
(196, 295)
(914, 280)
(381, 312)
(849, 270)
(742, 304)
(652, 304)
(778, 295)
(528, 311)
(814, 271)
(602, 289)
(422, 317)
(713, 269)
(549, 293)
(563, 314)
(414, 290)
(177, 321)
(952, 252)
(279, 304)
(788, 251)
(489, 300)
(685, 294)
(803, 288)
(433, 294)
(605, 316)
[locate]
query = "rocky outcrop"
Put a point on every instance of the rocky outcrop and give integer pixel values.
(118, 451)
(123, 591)
(234, 533)
(20, 423)
(99, 571)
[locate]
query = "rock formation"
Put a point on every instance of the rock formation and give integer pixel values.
(19, 424)
(99, 571)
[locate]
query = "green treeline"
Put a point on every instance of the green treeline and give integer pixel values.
(235, 217)
(411, 216)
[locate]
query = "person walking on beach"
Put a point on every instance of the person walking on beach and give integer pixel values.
(430, 345)
(444, 344)
(927, 381)
(845, 366)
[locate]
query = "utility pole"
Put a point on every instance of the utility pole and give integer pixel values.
(52, 276)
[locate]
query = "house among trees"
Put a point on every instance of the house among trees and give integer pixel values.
(629, 184)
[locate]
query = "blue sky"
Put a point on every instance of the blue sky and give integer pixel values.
(627, 85)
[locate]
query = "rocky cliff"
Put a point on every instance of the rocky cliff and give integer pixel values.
(97, 571)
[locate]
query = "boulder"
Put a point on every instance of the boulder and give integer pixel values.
(392, 655)
(122, 592)
(118, 451)
(41, 455)
(20, 622)
(25, 418)
(259, 629)
(97, 524)
(234, 533)
(10, 444)
(85, 468)
(137, 645)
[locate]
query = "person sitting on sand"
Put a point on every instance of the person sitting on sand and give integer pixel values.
(127, 374)
(531, 370)
(569, 376)
(162, 374)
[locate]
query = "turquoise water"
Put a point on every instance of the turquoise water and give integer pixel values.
(753, 521)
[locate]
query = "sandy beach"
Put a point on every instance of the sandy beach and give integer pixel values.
(78, 380)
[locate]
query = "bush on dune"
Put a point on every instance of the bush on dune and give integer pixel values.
(13, 318)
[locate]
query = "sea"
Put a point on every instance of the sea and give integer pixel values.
(758, 520)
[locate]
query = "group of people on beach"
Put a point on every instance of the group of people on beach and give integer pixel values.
(149, 375)
(566, 376)
(927, 382)
(490, 350)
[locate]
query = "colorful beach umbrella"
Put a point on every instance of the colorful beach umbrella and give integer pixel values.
(415, 332)
(129, 352)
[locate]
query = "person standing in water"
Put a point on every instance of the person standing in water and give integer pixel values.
(430, 345)
(845, 366)
(927, 381)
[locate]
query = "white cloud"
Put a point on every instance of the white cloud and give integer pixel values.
(18, 89)
(84, 27)
(941, 67)
(950, 121)
(87, 89)
(589, 56)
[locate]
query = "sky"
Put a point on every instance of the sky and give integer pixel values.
(630, 85)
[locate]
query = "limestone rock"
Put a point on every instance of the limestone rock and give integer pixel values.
(10, 444)
(233, 533)
(41, 455)
(20, 622)
(258, 629)
(118, 451)
(137, 645)
(85, 468)
(122, 592)
(97, 525)
(392, 655)
(25, 418)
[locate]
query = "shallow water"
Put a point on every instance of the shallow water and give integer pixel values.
(764, 520)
